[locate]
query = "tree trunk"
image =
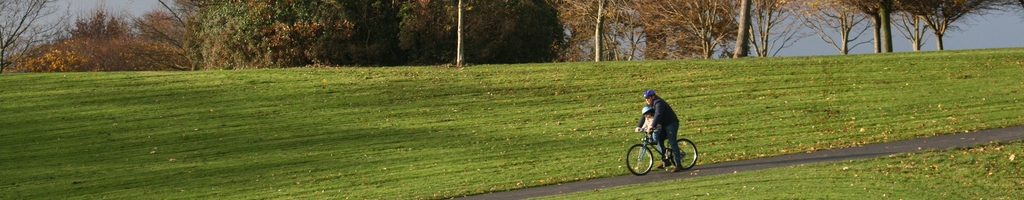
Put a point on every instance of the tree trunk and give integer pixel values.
(458, 51)
(918, 38)
(743, 34)
(3, 60)
(878, 33)
(938, 41)
(885, 15)
(597, 31)
(845, 49)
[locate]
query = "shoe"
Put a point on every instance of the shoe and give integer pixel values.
(661, 165)
(677, 169)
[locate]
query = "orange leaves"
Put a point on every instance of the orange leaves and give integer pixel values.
(53, 59)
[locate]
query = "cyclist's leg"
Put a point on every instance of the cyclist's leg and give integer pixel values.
(672, 131)
(659, 136)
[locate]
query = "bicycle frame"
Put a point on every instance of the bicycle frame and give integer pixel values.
(637, 154)
(650, 141)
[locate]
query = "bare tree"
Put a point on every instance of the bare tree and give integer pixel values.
(578, 19)
(170, 27)
(773, 26)
(870, 9)
(1021, 8)
(940, 15)
(624, 31)
(164, 36)
(825, 17)
(22, 28)
(708, 23)
(621, 36)
(912, 28)
(880, 11)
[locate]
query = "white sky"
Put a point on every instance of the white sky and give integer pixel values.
(992, 31)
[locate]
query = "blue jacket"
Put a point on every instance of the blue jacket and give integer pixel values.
(663, 113)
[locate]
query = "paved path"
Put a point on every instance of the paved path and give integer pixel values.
(866, 151)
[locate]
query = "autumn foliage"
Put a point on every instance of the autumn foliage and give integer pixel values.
(100, 42)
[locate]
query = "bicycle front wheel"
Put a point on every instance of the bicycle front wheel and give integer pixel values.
(639, 159)
(689, 153)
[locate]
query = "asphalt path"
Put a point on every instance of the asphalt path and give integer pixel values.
(865, 151)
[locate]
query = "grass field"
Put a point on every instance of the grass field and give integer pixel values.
(430, 132)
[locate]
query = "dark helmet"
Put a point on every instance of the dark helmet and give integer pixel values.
(649, 93)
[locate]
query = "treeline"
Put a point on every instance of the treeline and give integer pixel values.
(198, 34)
(231, 34)
(373, 32)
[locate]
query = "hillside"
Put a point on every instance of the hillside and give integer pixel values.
(431, 132)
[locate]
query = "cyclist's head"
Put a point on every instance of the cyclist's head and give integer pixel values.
(647, 110)
(649, 93)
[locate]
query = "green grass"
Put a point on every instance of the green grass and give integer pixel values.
(992, 171)
(429, 132)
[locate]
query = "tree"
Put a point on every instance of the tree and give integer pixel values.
(171, 28)
(105, 41)
(515, 31)
(458, 50)
(912, 28)
(940, 15)
(427, 34)
(1021, 8)
(625, 31)
(825, 17)
(98, 42)
(166, 41)
(621, 33)
(271, 33)
(702, 25)
(885, 16)
(773, 26)
(743, 32)
(598, 30)
(880, 11)
(577, 17)
(22, 28)
(621, 36)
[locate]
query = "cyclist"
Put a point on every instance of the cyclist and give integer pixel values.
(667, 119)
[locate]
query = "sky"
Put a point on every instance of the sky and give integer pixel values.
(997, 30)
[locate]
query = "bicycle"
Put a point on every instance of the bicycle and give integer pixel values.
(640, 159)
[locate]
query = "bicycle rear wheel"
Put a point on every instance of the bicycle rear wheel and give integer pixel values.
(639, 159)
(689, 153)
